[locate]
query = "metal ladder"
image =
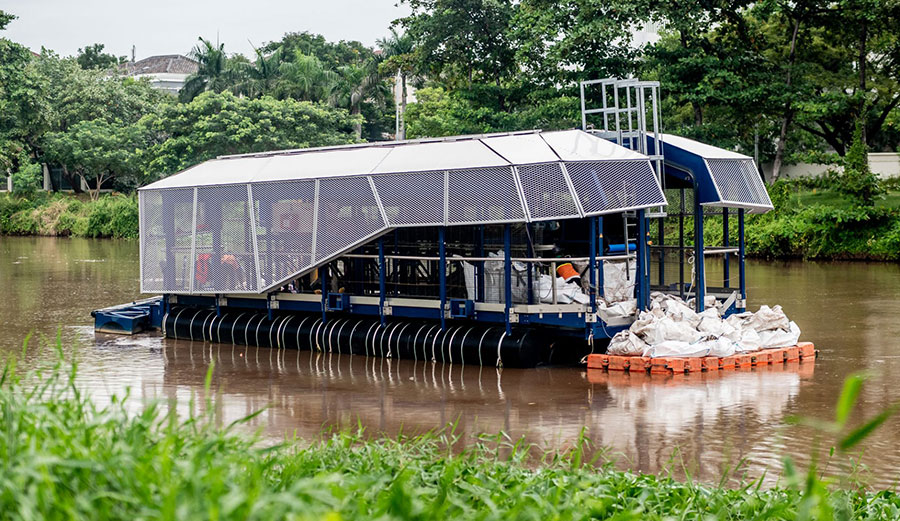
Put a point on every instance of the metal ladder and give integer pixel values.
(626, 106)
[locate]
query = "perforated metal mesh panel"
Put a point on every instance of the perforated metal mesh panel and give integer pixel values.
(294, 231)
(738, 181)
(284, 217)
(483, 195)
(225, 261)
(348, 213)
(546, 192)
(165, 222)
(412, 199)
(604, 186)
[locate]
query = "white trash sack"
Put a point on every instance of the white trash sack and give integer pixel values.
(671, 328)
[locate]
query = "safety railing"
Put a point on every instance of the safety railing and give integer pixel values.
(535, 266)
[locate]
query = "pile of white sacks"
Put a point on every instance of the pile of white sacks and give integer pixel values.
(671, 328)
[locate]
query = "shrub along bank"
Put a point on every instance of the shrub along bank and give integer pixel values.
(811, 221)
(65, 457)
(113, 216)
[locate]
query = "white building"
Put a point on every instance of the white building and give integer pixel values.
(166, 72)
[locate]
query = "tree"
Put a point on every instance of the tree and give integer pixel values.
(858, 181)
(331, 54)
(561, 42)
(93, 57)
(52, 95)
(305, 78)
(215, 124)
(212, 72)
(399, 60)
(15, 89)
(98, 151)
(357, 84)
(462, 41)
(259, 77)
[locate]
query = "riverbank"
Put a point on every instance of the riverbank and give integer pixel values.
(65, 215)
(809, 222)
(64, 456)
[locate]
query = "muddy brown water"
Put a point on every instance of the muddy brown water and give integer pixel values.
(705, 424)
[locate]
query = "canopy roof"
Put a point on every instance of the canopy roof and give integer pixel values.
(722, 177)
(454, 153)
(247, 224)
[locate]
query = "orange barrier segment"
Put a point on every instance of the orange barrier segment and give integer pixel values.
(677, 365)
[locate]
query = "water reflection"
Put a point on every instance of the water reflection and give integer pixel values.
(711, 421)
(641, 418)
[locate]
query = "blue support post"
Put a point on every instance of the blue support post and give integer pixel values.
(699, 262)
(507, 273)
(726, 268)
(323, 276)
(382, 280)
(600, 254)
(443, 275)
(643, 281)
(592, 264)
(741, 251)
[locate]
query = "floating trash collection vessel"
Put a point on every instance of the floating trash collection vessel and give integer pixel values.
(512, 249)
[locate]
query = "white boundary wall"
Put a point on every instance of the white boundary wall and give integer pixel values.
(885, 164)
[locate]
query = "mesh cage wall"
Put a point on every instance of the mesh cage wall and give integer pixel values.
(738, 181)
(547, 192)
(605, 186)
(412, 199)
(284, 218)
(347, 214)
(483, 195)
(165, 224)
(225, 262)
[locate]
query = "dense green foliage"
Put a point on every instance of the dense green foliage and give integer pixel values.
(65, 457)
(858, 181)
(811, 222)
(64, 215)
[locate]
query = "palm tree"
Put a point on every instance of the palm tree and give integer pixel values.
(398, 53)
(305, 78)
(259, 77)
(356, 84)
(212, 73)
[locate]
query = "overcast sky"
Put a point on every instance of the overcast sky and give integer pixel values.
(172, 26)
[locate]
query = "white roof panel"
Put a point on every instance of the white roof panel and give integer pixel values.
(401, 157)
(577, 145)
(333, 163)
(701, 149)
(522, 149)
(448, 155)
(214, 172)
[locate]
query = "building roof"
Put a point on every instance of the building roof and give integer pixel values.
(163, 64)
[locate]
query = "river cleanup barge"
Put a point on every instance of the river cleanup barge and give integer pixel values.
(511, 249)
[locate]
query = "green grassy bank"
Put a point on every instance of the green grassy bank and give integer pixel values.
(68, 215)
(809, 221)
(64, 457)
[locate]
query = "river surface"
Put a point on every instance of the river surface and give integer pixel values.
(706, 425)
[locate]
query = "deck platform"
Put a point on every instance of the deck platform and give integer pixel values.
(674, 365)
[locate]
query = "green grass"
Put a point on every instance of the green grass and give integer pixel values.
(64, 457)
(69, 215)
(826, 197)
